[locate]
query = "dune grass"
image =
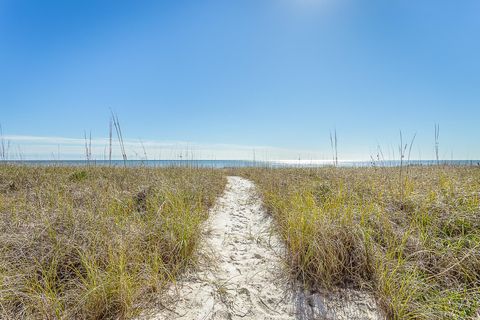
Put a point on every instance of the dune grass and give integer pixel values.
(411, 236)
(96, 242)
(102, 243)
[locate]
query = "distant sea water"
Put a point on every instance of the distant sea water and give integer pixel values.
(242, 163)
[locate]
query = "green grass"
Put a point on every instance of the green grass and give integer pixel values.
(96, 243)
(412, 239)
(104, 243)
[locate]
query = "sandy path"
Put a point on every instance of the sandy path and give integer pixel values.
(241, 275)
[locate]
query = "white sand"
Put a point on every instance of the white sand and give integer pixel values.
(241, 276)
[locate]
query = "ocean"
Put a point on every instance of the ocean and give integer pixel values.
(241, 163)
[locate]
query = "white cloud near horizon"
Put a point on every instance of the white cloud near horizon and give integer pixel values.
(28, 147)
(25, 147)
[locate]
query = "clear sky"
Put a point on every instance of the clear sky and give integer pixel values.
(224, 78)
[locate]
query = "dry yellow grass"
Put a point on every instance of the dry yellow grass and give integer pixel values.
(102, 243)
(411, 238)
(96, 243)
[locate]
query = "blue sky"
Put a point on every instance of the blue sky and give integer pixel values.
(224, 78)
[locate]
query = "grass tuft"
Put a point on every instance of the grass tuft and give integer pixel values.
(414, 243)
(96, 243)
